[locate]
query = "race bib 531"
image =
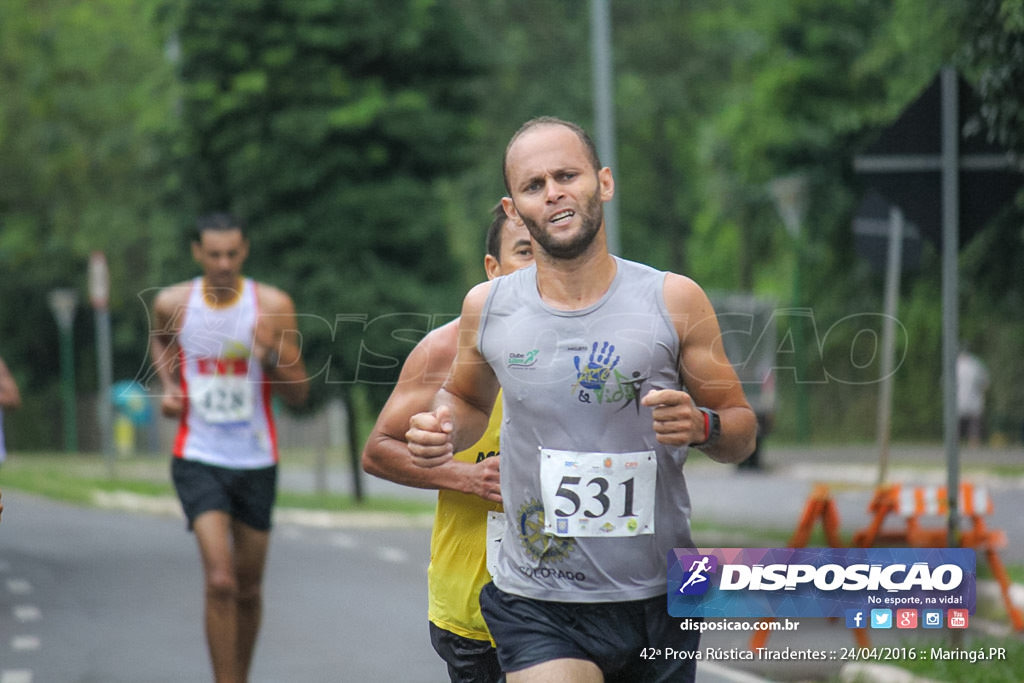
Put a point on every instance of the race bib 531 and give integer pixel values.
(598, 494)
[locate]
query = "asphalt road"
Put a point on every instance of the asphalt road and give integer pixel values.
(102, 596)
(108, 596)
(111, 596)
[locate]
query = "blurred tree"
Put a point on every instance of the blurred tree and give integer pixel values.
(671, 72)
(993, 57)
(992, 293)
(535, 59)
(329, 126)
(807, 84)
(363, 142)
(85, 116)
(993, 52)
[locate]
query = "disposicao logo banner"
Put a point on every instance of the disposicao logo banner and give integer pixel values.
(817, 582)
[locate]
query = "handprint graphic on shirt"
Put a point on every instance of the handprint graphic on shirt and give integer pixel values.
(599, 367)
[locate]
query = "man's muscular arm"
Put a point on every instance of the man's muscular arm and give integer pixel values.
(386, 453)
(709, 380)
(463, 405)
(164, 349)
(277, 345)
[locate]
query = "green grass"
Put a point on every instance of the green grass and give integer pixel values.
(1014, 571)
(76, 479)
(1001, 470)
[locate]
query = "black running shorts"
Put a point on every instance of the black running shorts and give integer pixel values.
(469, 660)
(613, 635)
(246, 495)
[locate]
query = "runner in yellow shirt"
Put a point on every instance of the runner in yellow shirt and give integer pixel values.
(468, 487)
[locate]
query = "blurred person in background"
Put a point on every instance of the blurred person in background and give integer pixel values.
(972, 382)
(221, 343)
(10, 399)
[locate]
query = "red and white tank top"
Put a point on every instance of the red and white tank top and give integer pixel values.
(227, 420)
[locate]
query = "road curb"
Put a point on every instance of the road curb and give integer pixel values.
(168, 506)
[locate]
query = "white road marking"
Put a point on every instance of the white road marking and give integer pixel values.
(16, 676)
(23, 613)
(27, 613)
(343, 541)
(395, 555)
(25, 643)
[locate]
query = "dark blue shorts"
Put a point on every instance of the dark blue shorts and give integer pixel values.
(246, 495)
(613, 635)
(469, 660)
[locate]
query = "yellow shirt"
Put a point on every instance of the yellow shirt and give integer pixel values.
(458, 548)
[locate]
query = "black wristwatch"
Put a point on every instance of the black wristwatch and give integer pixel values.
(270, 359)
(712, 428)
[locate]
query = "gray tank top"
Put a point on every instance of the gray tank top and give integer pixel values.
(572, 381)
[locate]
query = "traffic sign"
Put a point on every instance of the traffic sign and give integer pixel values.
(905, 165)
(871, 227)
(99, 280)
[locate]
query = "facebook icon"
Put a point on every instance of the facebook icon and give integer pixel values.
(855, 618)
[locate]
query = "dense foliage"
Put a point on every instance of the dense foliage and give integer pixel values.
(86, 142)
(328, 126)
(362, 142)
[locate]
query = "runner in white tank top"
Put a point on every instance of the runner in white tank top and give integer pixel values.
(227, 419)
(220, 344)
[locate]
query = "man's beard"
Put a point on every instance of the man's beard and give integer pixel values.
(592, 216)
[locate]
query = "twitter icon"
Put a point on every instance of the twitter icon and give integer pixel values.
(881, 618)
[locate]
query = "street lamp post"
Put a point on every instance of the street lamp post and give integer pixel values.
(604, 106)
(62, 304)
(790, 196)
(99, 297)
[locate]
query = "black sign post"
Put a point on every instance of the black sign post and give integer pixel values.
(949, 184)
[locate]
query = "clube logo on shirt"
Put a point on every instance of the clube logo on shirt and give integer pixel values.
(518, 359)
